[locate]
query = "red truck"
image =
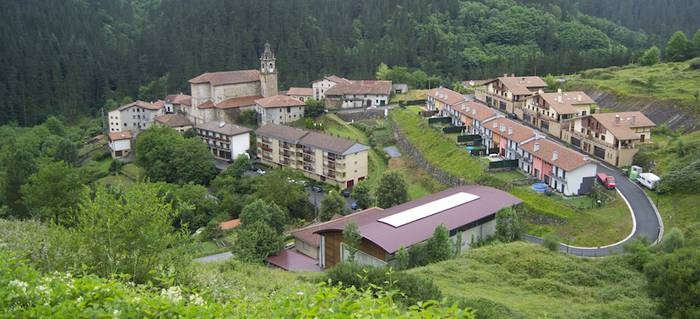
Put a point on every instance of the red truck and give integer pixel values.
(607, 180)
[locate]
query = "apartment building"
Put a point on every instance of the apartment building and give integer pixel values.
(279, 109)
(226, 141)
(135, 116)
(551, 111)
(507, 136)
(612, 137)
(323, 157)
(508, 93)
(562, 169)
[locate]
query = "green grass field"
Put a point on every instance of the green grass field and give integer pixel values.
(521, 280)
(669, 81)
(410, 95)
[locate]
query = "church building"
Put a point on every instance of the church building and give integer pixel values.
(221, 96)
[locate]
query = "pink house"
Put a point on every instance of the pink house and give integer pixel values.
(563, 169)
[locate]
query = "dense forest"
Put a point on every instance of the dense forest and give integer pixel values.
(70, 57)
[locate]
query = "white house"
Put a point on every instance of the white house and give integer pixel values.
(279, 109)
(134, 117)
(561, 168)
(120, 144)
(226, 141)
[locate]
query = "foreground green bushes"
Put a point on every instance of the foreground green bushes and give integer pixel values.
(27, 293)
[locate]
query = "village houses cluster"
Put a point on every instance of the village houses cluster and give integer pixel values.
(218, 99)
(552, 137)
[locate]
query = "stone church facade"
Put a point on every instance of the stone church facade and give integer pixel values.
(221, 96)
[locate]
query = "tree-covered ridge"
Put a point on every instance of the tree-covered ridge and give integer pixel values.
(69, 57)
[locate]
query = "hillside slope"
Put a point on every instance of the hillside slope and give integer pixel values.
(667, 93)
(521, 280)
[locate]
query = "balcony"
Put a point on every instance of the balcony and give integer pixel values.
(591, 138)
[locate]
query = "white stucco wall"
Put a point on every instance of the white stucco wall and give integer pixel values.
(239, 144)
(575, 177)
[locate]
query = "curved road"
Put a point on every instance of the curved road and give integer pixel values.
(646, 220)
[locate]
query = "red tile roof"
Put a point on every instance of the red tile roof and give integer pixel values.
(334, 78)
(230, 224)
(510, 129)
(173, 120)
(476, 110)
(565, 102)
(116, 136)
(391, 238)
(624, 130)
(179, 99)
(300, 91)
(227, 77)
(237, 102)
(566, 158)
(206, 105)
(144, 105)
(279, 101)
(447, 96)
(522, 85)
(376, 87)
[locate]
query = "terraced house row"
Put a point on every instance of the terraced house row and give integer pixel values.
(323, 157)
(570, 116)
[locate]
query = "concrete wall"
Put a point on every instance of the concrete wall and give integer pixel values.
(279, 115)
(576, 179)
(306, 248)
(239, 145)
(134, 119)
(320, 88)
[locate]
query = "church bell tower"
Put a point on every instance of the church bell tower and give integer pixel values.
(268, 73)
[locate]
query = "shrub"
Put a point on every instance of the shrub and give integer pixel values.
(411, 287)
(551, 242)
(488, 309)
(694, 64)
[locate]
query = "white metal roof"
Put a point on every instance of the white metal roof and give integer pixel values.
(428, 209)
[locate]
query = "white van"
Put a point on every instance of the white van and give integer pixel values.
(649, 180)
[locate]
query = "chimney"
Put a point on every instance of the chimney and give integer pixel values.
(555, 156)
(505, 75)
(559, 91)
(502, 128)
(512, 75)
(536, 147)
(617, 119)
(540, 91)
(473, 111)
(495, 124)
(634, 119)
(559, 99)
(586, 158)
(579, 97)
(510, 131)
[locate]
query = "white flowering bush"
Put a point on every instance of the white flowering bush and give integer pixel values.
(28, 293)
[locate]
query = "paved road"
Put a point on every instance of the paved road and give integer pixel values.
(214, 258)
(646, 222)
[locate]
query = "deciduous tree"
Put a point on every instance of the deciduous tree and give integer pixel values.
(352, 239)
(438, 246)
(391, 190)
(53, 193)
(363, 195)
(677, 48)
(331, 205)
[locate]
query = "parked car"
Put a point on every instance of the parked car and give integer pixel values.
(353, 205)
(648, 180)
(260, 171)
(607, 180)
(317, 189)
(346, 192)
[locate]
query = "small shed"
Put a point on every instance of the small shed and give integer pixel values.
(399, 88)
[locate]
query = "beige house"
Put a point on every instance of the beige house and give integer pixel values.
(279, 109)
(612, 137)
(219, 96)
(120, 144)
(322, 157)
(551, 111)
(508, 93)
